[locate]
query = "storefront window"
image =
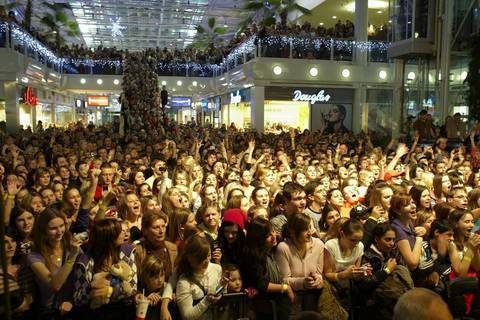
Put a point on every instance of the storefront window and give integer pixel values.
(282, 115)
(3, 116)
(44, 114)
(64, 115)
(379, 110)
(25, 115)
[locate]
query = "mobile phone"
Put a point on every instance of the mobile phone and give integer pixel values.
(215, 245)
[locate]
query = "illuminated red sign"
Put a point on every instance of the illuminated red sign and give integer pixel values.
(29, 98)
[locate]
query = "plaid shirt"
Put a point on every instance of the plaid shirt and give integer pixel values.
(84, 277)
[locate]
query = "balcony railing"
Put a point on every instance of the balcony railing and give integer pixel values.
(288, 47)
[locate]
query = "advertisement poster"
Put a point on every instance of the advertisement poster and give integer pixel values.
(335, 118)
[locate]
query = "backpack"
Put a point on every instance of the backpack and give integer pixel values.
(395, 285)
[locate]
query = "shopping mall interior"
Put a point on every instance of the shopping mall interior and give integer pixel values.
(327, 150)
(384, 61)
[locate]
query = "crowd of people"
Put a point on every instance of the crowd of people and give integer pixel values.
(186, 217)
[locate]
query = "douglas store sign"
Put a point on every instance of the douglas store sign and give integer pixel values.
(321, 96)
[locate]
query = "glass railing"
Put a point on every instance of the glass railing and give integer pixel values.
(288, 47)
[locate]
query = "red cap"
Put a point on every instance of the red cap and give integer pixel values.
(236, 216)
(390, 174)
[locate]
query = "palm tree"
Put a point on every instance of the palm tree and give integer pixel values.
(267, 11)
(6, 8)
(27, 16)
(58, 24)
(208, 37)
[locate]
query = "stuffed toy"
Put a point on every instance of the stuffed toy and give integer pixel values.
(121, 276)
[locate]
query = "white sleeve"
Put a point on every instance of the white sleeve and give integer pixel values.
(185, 301)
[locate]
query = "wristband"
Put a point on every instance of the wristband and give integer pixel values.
(70, 262)
(467, 258)
(110, 292)
(284, 288)
(335, 276)
(388, 271)
(11, 197)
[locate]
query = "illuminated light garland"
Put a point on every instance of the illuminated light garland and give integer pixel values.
(247, 47)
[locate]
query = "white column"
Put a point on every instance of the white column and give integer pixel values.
(361, 29)
(398, 109)
(258, 108)
(359, 107)
(8, 91)
(444, 105)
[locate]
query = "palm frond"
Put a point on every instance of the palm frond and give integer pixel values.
(220, 30)
(211, 22)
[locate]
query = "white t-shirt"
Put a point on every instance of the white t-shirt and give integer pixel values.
(343, 262)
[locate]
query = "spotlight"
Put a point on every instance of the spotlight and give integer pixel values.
(345, 73)
(313, 72)
(277, 70)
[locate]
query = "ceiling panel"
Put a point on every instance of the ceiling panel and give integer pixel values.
(138, 24)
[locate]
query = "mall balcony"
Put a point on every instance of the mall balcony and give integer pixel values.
(357, 72)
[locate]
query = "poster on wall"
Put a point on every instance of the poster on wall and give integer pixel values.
(335, 118)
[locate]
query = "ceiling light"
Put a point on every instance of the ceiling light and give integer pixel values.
(277, 70)
(179, 83)
(164, 83)
(379, 11)
(411, 75)
(83, 81)
(345, 73)
(194, 83)
(99, 81)
(321, 23)
(313, 72)
(463, 75)
(24, 79)
(372, 4)
(116, 82)
(382, 74)
(334, 17)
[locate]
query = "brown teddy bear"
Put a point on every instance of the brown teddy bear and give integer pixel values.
(120, 275)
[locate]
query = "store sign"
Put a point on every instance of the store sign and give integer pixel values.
(235, 99)
(29, 97)
(312, 98)
(179, 102)
(97, 101)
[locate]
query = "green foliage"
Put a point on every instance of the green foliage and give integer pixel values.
(58, 24)
(267, 11)
(208, 36)
(473, 79)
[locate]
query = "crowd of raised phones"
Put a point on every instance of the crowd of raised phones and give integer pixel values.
(186, 216)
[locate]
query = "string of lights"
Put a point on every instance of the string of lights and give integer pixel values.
(22, 38)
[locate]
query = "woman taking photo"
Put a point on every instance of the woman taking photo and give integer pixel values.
(402, 213)
(260, 271)
(300, 260)
(93, 281)
(198, 280)
(343, 257)
(52, 260)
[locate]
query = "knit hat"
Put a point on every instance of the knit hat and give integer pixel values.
(236, 216)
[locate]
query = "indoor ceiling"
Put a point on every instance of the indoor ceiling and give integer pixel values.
(139, 24)
(328, 12)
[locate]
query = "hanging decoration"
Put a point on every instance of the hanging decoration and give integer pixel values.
(116, 28)
(22, 39)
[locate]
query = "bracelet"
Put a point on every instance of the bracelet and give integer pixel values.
(11, 197)
(110, 292)
(335, 276)
(388, 271)
(70, 262)
(284, 288)
(467, 258)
